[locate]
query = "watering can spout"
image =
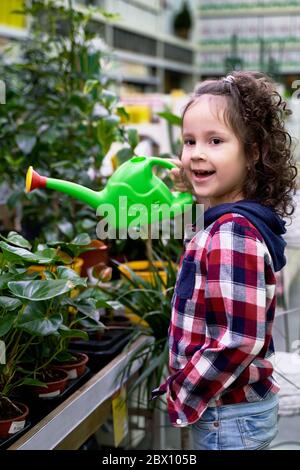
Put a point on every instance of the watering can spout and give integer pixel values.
(36, 181)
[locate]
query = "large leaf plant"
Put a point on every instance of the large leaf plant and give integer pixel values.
(42, 303)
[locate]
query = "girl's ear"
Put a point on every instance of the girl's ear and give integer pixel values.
(255, 153)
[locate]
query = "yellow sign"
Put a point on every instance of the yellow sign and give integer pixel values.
(120, 416)
(8, 18)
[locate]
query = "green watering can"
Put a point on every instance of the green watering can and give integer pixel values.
(133, 194)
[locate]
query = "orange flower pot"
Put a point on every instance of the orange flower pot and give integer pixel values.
(11, 426)
(99, 254)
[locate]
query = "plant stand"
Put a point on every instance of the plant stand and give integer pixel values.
(70, 424)
(148, 423)
(185, 438)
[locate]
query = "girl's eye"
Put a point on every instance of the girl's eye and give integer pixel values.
(189, 142)
(216, 141)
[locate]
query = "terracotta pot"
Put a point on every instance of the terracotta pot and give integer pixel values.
(95, 335)
(10, 426)
(99, 254)
(75, 368)
(55, 385)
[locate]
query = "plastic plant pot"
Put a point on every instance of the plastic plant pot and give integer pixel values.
(55, 385)
(74, 368)
(10, 426)
(97, 255)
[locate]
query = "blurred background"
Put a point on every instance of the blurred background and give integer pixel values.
(164, 47)
(85, 85)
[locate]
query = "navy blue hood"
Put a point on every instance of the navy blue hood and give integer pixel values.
(265, 219)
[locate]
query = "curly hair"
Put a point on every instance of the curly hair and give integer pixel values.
(255, 111)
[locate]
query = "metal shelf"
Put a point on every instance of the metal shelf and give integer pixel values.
(147, 80)
(155, 61)
(13, 33)
(248, 12)
(51, 431)
(247, 47)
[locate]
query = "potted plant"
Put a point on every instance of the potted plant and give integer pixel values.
(97, 253)
(35, 319)
(13, 413)
(183, 21)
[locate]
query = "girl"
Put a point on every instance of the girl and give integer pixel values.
(237, 158)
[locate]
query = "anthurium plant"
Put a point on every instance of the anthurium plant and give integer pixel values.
(40, 310)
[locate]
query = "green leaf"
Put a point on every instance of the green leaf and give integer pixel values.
(18, 240)
(89, 86)
(46, 256)
(26, 142)
(121, 111)
(108, 98)
(100, 11)
(8, 303)
(133, 138)
(76, 246)
(36, 323)
(82, 239)
(5, 278)
(93, 293)
(79, 100)
(152, 365)
(72, 332)
(70, 274)
(6, 323)
(106, 129)
(124, 154)
(87, 224)
(36, 382)
(171, 118)
(35, 310)
(88, 306)
(15, 197)
(40, 290)
(14, 253)
(48, 275)
(66, 228)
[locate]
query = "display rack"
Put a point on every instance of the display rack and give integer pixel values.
(163, 55)
(70, 424)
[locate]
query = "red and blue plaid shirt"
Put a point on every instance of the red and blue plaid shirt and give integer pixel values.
(220, 335)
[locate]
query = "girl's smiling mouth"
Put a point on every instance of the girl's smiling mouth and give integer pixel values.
(202, 175)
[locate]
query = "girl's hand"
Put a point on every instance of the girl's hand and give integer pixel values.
(176, 175)
(181, 184)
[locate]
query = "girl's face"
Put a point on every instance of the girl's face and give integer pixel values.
(209, 145)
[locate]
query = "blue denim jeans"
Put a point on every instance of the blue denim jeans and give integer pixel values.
(243, 426)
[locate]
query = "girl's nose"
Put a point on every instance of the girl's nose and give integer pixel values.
(198, 155)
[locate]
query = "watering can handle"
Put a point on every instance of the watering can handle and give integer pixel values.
(162, 162)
